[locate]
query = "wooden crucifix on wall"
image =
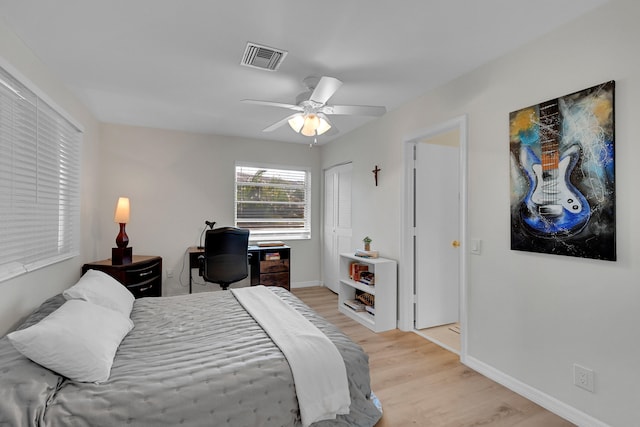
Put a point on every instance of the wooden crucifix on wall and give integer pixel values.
(375, 174)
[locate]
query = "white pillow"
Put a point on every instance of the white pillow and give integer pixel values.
(79, 340)
(99, 288)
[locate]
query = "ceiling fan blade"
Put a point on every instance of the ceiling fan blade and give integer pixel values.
(325, 89)
(355, 110)
(273, 104)
(276, 125)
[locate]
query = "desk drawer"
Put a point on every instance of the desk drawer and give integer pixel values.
(135, 276)
(274, 266)
(275, 279)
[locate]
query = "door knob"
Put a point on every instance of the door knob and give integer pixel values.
(455, 244)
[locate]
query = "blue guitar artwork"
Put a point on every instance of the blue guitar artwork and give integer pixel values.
(553, 206)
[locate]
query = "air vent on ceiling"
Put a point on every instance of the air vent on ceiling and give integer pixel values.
(263, 57)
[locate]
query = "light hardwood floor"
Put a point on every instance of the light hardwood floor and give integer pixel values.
(421, 384)
(444, 335)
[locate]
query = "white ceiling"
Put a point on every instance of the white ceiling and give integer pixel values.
(174, 64)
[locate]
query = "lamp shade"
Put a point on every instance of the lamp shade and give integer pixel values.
(311, 123)
(323, 126)
(122, 211)
(296, 122)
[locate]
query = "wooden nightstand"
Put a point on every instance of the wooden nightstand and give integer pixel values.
(143, 277)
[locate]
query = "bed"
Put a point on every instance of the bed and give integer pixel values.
(190, 360)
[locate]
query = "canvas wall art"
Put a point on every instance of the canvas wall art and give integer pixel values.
(563, 175)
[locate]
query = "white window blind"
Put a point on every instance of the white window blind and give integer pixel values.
(274, 203)
(39, 181)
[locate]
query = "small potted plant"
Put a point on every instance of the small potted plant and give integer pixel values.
(367, 243)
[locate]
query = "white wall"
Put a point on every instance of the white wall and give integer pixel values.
(19, 296)
(176, 181)
(528, 330)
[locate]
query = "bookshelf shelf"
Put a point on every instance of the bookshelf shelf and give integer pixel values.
(384, 290)
(361, 286)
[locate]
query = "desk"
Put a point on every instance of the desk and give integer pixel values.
(263, 271)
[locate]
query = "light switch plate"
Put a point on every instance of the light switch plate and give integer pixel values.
(475, 246)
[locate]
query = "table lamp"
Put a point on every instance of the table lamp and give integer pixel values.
(122, 254)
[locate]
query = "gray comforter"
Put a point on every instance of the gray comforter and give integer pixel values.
(191, 360)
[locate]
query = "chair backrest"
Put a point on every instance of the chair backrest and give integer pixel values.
(226, 255)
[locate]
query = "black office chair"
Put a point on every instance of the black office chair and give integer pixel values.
(225, 259)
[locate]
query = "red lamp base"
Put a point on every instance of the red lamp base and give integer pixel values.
(121, 256)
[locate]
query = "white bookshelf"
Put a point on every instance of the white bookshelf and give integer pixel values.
(384, 290)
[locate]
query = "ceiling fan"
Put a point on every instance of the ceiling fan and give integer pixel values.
(311, 117)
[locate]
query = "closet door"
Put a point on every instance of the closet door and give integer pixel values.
(337, 221)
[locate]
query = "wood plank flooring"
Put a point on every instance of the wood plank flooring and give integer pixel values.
(445, 336)
(421, 384)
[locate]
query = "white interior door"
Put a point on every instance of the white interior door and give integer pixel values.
(437, 253)
(337, 221)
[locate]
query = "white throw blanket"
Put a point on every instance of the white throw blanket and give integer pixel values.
(319, 372)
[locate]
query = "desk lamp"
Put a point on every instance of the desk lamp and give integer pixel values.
(210, 224)
(122, 254)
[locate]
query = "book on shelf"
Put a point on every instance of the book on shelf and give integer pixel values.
(367, 277)
(271, 256)
(370, 309)
(355, 305)
(366, 254)
(355, 270)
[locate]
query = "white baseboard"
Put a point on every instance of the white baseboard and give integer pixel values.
(548, 402)
(306, 284)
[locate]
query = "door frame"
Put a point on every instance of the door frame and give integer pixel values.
(406, 291)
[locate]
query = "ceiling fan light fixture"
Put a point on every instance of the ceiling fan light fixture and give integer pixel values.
(296, 122)
(323, 126)
(311, 123)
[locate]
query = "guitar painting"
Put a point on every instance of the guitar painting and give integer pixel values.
(553, 205)
(562, 175)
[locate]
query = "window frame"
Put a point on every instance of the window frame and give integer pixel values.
(303, 233)
(51, 231)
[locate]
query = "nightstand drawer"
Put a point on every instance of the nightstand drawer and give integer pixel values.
(150, 288)
(143, 274)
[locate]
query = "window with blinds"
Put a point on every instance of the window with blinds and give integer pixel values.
(274, 203)
(39, 181)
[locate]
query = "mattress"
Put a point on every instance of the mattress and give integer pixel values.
(191, 360)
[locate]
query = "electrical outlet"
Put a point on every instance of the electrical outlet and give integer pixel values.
(583, 377)
(169, 273)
